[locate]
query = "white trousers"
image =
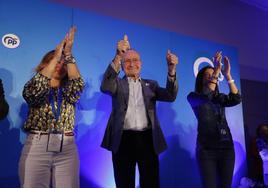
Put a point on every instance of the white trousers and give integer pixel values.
(39, 168)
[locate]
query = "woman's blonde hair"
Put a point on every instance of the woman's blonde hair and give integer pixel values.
(45, 60)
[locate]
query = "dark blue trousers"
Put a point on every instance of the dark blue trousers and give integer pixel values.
(136, 147)
(216, 167)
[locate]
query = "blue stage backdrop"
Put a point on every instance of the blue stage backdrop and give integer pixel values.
(41, 25)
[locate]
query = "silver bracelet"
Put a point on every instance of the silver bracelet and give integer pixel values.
(69, 59)
(230, 81)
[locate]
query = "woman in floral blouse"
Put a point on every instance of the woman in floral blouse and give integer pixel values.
(50, 153)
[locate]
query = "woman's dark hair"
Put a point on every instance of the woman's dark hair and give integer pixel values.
(262, 131)
(199, 80)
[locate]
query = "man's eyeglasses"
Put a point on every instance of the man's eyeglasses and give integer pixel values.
(134, 60)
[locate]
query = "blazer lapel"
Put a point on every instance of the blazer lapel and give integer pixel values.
(125, 89)
(145, 91)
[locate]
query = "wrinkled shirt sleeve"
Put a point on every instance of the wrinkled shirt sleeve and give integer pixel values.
(228, 100)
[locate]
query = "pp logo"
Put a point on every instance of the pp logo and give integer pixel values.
(10, 41)
(201, 60)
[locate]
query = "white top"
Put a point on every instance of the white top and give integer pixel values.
(136, 118)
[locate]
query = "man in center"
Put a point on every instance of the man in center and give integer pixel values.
(133, 132)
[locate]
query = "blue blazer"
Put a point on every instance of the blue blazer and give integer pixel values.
(118, 89)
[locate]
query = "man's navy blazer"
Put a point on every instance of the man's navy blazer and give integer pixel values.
(118, 89)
